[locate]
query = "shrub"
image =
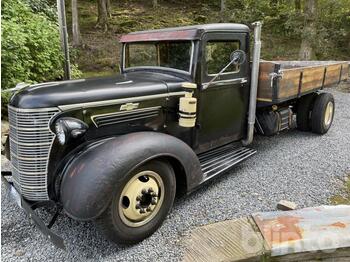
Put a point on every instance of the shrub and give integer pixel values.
(30, 46)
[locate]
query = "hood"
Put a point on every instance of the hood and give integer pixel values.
(95, 89)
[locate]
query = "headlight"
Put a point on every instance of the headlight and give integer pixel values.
(68, 128)
(61, 135)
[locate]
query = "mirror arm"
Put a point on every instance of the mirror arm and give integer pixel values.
(222, 70)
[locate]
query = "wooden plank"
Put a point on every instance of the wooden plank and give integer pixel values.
(345, 71)
(232, 240)
(309, 234)
(289, 84)
(340, 255)
(312, 78)
(332, 74)
(264, 88)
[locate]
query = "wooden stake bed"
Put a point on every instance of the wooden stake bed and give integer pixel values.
(280, 81)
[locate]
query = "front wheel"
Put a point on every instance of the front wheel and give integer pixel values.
(140, 203)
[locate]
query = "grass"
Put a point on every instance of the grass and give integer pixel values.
(344, 197)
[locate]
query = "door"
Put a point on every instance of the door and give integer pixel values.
(223, 105)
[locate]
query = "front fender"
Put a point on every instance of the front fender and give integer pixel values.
(88, 182)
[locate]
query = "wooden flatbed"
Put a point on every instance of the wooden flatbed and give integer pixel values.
(280, 81)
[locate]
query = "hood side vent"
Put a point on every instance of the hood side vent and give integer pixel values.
(125, 116)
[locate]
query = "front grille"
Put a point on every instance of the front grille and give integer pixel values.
(30, 143)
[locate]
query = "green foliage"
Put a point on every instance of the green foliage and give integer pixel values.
(30, 46)
(44, 7)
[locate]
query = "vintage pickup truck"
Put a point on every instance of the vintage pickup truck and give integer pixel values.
(182, 111)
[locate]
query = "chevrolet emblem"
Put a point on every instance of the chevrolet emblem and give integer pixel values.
(129, 106)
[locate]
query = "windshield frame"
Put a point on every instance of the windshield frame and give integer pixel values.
(162, 68)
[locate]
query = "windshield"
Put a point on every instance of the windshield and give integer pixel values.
(175, 55)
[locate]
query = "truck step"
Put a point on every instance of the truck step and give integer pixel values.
(221, 159)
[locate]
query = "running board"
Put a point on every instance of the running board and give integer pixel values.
(221, 159)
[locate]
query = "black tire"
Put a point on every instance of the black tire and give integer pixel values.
(320, 115)
(110, 223)
(304, 108)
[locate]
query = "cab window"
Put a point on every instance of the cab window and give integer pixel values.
(217, 56)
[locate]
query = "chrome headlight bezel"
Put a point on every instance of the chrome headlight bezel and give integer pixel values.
(68, 129)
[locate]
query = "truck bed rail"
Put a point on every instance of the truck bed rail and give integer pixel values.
(280, 81)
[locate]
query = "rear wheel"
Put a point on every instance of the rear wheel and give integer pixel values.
(139, 204)
(322, 113)
(304, 112)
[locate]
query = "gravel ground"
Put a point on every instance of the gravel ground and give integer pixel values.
(301, 167)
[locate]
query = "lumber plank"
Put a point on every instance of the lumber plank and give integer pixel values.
(232, 240)
(264, 89)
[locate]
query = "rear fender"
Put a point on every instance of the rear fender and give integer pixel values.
(88, 180)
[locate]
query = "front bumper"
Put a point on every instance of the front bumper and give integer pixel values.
(29, 210)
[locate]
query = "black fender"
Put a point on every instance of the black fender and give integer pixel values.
(88, 180)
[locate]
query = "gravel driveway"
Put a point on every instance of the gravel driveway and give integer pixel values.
(301, 167)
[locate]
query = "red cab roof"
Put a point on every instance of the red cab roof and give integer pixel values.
(181, 33)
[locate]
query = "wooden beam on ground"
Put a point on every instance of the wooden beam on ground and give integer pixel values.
(320, 233)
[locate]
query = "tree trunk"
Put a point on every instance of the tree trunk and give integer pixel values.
(103, 13)
(297, 6)
(309, 31)
(222, 6)
(155, 3)
(75, 24)
(222, 10)
(108, 6)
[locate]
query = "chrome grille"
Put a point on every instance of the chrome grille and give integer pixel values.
(30, 143)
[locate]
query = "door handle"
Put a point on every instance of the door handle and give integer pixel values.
(244, 80)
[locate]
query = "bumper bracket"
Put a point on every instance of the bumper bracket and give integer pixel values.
(29, 210)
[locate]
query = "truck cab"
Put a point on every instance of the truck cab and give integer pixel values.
(196, 54)
(116, 150)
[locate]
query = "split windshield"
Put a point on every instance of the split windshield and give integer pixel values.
(174, 55)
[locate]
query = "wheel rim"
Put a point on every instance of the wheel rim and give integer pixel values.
(141, 199)
(328, 114)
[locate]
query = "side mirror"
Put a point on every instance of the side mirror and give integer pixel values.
(237, 57)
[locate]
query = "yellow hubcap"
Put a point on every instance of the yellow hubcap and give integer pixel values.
(141, 199)
(328, 114)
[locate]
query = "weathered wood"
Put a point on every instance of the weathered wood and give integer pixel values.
(312, 78)
(310, 234)
(340, 255)
(289, 84)
(332, 75)
(264, 89)
(298, 77)
(232, 240)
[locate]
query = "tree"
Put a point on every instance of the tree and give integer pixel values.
(155, 3)
(297, 5)
(222, 6)
(309, 31)
(103, 7)
(75, 24)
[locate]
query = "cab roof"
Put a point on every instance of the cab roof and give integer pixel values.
(182, 33)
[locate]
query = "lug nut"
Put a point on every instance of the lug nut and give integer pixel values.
(138, 206)
(142, 211)
(138, 198)
(153, 201)
(150, 190)
(154, 194)
(148, 209)
(144, 191)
